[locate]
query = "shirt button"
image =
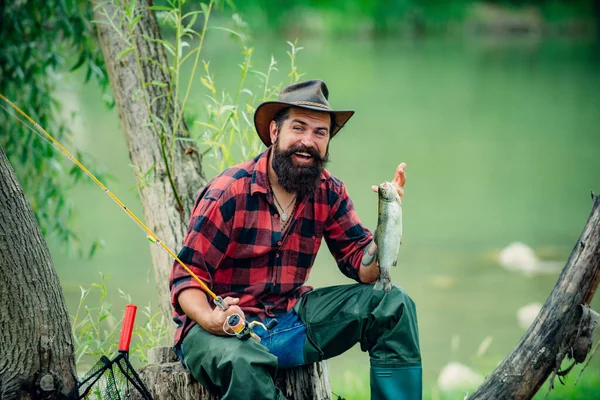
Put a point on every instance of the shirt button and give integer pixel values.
(276, 216)
(314, 237)
(277, 255)
(279, 243)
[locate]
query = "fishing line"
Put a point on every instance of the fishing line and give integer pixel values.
(150, 235)
(45, 139)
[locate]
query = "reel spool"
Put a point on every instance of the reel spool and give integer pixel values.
(244, 330)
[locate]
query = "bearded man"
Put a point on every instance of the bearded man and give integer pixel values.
(253, 236)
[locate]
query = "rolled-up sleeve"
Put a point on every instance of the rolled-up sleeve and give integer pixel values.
(346, 237)
(204, 246)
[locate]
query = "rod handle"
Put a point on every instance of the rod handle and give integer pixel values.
(272, 324)
(127, 328)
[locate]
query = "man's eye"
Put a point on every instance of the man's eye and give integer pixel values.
(297, 128)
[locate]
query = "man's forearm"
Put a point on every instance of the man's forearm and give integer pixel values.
(369, 270)
(195, 305)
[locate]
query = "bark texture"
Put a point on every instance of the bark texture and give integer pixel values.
(167, 379)
(36, 347)
(564, 327)
(161, 212)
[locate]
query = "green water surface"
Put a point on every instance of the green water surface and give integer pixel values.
(502, 144)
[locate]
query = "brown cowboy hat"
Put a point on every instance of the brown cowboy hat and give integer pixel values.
(311, 95)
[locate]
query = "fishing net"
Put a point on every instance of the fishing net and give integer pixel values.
(114, 379)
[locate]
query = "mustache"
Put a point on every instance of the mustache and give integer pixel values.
(301, 148)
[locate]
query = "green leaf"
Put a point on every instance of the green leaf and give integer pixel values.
(100, 4)
(135, 21)
(228, 108)
(160, 8)
(169, 47)
(98, 244)
(241, 36)
(204, 8)
(124, 53)
(131, 9)
(192, 20)
(82, 58)
(213, 127)
(157, 83)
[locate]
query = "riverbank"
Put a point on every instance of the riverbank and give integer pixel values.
(416, 18)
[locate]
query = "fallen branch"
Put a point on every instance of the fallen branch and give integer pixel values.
(563, 329)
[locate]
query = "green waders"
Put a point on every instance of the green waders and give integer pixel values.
(336, 318)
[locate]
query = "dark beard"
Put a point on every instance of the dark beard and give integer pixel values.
(302, 180)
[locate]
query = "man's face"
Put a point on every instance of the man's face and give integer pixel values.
(304, 129)
(300, 150)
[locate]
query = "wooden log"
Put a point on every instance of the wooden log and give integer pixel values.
(166, 379)
(564, 327)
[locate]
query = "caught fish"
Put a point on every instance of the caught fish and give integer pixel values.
(388, 234)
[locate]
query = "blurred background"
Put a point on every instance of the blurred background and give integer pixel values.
(495, 108)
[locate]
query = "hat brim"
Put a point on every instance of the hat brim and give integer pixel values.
(266, 111)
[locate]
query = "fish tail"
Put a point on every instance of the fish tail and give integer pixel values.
(379, 285)
(388, 286)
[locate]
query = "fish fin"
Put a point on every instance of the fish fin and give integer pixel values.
(388, 286)
(395, 262)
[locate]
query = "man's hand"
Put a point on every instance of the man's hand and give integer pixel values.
(398, 181)
(195, 304)
(215, 320)
(369, 270)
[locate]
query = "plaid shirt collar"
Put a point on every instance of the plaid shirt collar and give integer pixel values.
(260, 179)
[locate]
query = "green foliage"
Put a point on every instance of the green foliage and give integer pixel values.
(227, 136)
(185, 47)
(378, 17)
(343, 17)
(37, 40)
(96, 328)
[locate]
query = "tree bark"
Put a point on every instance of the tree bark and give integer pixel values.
(36, 346)
(166, 379)
(564, 327)
(162, 214)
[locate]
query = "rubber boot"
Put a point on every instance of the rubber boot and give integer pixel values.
(397, 383)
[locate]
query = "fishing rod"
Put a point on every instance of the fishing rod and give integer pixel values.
(234, 322)
(150, 235)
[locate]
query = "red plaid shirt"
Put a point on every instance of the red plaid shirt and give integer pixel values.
(235, 243)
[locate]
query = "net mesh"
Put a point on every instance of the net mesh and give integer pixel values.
(111, 380)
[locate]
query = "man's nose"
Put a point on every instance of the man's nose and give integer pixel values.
(307, 141)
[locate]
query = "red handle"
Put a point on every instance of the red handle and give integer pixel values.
(127, 328)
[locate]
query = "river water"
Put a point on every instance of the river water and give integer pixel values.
(501, 140)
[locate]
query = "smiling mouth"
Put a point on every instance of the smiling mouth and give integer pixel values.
(303, 155)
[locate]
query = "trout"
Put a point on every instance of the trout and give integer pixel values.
(388, 234)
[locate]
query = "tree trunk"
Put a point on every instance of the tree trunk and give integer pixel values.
(162, 215)
(36, 346)
(564, 327)
(161, 211)
(167, 379)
